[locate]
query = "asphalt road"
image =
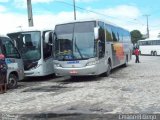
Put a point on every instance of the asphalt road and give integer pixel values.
(128, 90)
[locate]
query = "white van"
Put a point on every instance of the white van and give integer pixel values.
(37, 55)
(14, 61)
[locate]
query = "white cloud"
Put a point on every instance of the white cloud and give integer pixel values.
(126, 16)
(11, 21)
(154, 27)
(123, 11)
(154, 33)
(119, 13)
(2, 9)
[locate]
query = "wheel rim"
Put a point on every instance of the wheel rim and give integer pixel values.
(155, 53)
(12, 82)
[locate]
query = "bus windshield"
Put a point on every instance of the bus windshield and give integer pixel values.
(28, 43)
(75, 41)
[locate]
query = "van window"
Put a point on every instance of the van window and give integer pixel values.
(9, 50)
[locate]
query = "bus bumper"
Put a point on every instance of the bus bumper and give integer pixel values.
(83, 71)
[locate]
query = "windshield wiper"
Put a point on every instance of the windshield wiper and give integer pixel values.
(78, 49)
(75, 43)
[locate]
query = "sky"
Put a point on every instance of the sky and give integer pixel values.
(129, 14)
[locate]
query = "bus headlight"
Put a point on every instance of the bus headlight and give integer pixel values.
(92, 63)
(57, 65)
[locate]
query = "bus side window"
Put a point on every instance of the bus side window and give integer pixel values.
(101, 42)
(114, 34)
(108, 33)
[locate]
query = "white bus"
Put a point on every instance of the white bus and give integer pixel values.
(37, 55)
(90, 47)
(149, 46)
(15, 71)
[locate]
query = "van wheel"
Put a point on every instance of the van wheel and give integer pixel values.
(12, 81)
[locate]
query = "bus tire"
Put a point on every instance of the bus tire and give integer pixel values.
(155, 53)
(12, 81)
(152, 53)
(108, 72)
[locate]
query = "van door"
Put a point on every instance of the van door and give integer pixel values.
(48, 54)
(14, 62)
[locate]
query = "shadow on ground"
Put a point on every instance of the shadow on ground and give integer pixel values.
(45, 89)
(80, 79)
(39, 79)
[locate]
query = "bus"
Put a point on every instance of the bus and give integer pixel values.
(149, 46)
(15, 71)
(37, 55)
(90, 47)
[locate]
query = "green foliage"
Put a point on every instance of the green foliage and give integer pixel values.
(135, 36)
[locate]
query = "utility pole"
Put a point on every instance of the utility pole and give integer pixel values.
(30, 16)
(147, 25)
(74, 9)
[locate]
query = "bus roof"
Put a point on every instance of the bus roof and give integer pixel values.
(82, 20)
(24, 29)
(87, 20)
(150, 39)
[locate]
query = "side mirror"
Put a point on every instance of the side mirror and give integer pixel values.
(46, 38)
(96, 32)
(24, 39)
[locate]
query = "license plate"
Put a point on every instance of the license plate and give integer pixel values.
(73, 72)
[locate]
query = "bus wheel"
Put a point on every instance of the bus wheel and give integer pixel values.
(108, 72)
(12, 81)
(155, 53)
(152, 53)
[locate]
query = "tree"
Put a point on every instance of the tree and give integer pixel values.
(135, 36)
